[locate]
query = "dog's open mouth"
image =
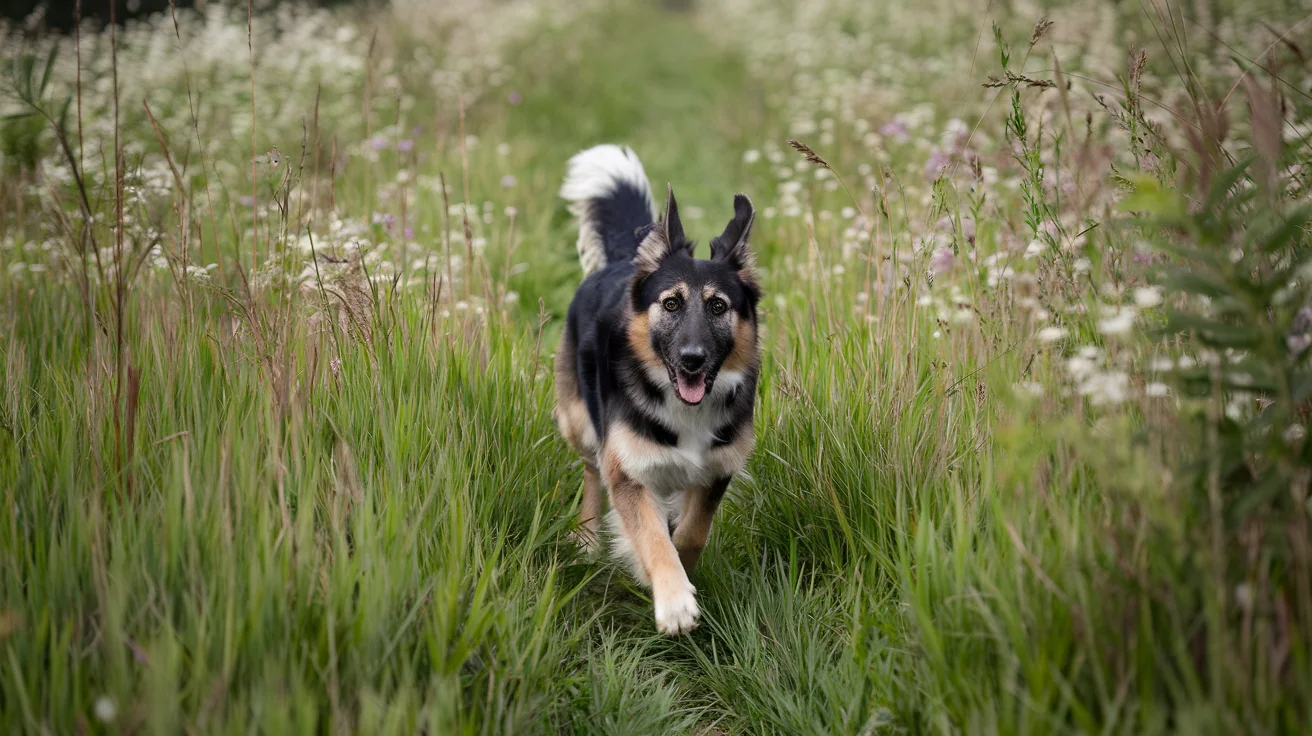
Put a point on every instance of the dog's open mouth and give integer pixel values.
(691, 387)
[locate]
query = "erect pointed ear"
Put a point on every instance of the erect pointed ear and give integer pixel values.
(731, 246)
(673, 225)
(661, 241)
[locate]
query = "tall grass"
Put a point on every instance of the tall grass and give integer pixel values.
(1031, 433)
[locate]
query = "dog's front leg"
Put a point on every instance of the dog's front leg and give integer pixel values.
(644, 526)
(694, 527)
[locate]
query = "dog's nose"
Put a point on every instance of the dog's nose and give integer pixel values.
(692, 359)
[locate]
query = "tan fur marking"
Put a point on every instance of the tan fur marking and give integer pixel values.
(571, 413)
(709, 291)
(733, 456)
(680, 290)
(745, 353)
(590, 508)
(640, 340)
(651, 251)
(645, 526)
(694, 527)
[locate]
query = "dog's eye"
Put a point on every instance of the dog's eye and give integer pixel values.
(671, 304)
(717, 305)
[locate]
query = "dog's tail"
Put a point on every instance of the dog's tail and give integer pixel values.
(609, 194)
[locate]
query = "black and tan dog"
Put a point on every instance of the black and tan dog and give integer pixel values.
(656, 373)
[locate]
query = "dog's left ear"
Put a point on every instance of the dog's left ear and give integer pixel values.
(731, 246)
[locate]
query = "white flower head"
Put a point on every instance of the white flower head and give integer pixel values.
(1147, 297)
(105, 709)
(1119, 323)
(1051, 334)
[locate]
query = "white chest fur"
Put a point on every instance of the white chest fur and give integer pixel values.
(695, 461)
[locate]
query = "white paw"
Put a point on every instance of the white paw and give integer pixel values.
(676, 610)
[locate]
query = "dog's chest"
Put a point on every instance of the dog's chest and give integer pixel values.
(691, 462)
(698, 457)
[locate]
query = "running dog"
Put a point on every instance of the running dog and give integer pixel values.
(656, 373)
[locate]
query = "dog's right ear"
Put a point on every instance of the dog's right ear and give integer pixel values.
(662, 241)
(731, 246)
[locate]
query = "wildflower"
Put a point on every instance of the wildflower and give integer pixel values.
(1028, 388)
(514, 98)
(1035, 248)
(1051, 334)
(751, 156)
(405, 145)
(1081, 265)
(1147, 296)
(895, 129)
(1118, 323)
(378, 143)
(508, 181)
(936, 165)
(1105, 387)
(1156, 389)
(105, 709)
(1294, 434)
(503, 149)
(942, 260)
(847, 213)
(1161, 365)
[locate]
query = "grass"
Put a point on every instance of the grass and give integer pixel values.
(308, 492)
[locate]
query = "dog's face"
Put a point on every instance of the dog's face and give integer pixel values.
(696, 318)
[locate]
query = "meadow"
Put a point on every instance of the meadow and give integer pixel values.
(280, 289)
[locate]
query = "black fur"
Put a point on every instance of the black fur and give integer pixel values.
(611, 378)
(619, 216)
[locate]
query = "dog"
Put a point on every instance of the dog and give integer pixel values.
(656, 373)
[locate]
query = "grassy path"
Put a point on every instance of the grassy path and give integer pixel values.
(318, 489)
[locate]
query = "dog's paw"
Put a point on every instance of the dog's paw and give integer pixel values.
(676, 610)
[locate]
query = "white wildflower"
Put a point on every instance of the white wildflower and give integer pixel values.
(1119, 323)
(1147, 297)
(1051, 334)
(1294, 434)
(105, 709)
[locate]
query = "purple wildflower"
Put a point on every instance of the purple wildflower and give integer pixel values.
(514, 98)
(405, 144)
(942, 261)
(246, 200)
(938, 161)
(894, 129)
(508, 181)
(378, 143)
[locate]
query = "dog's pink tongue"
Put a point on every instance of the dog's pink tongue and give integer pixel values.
(691, 388)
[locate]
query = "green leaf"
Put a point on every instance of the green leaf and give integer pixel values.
(1216, 334)
(1148, 197)
(1224, 182)
(1289, 232)
(45, 76)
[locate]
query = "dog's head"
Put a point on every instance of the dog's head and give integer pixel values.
(693, 317)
